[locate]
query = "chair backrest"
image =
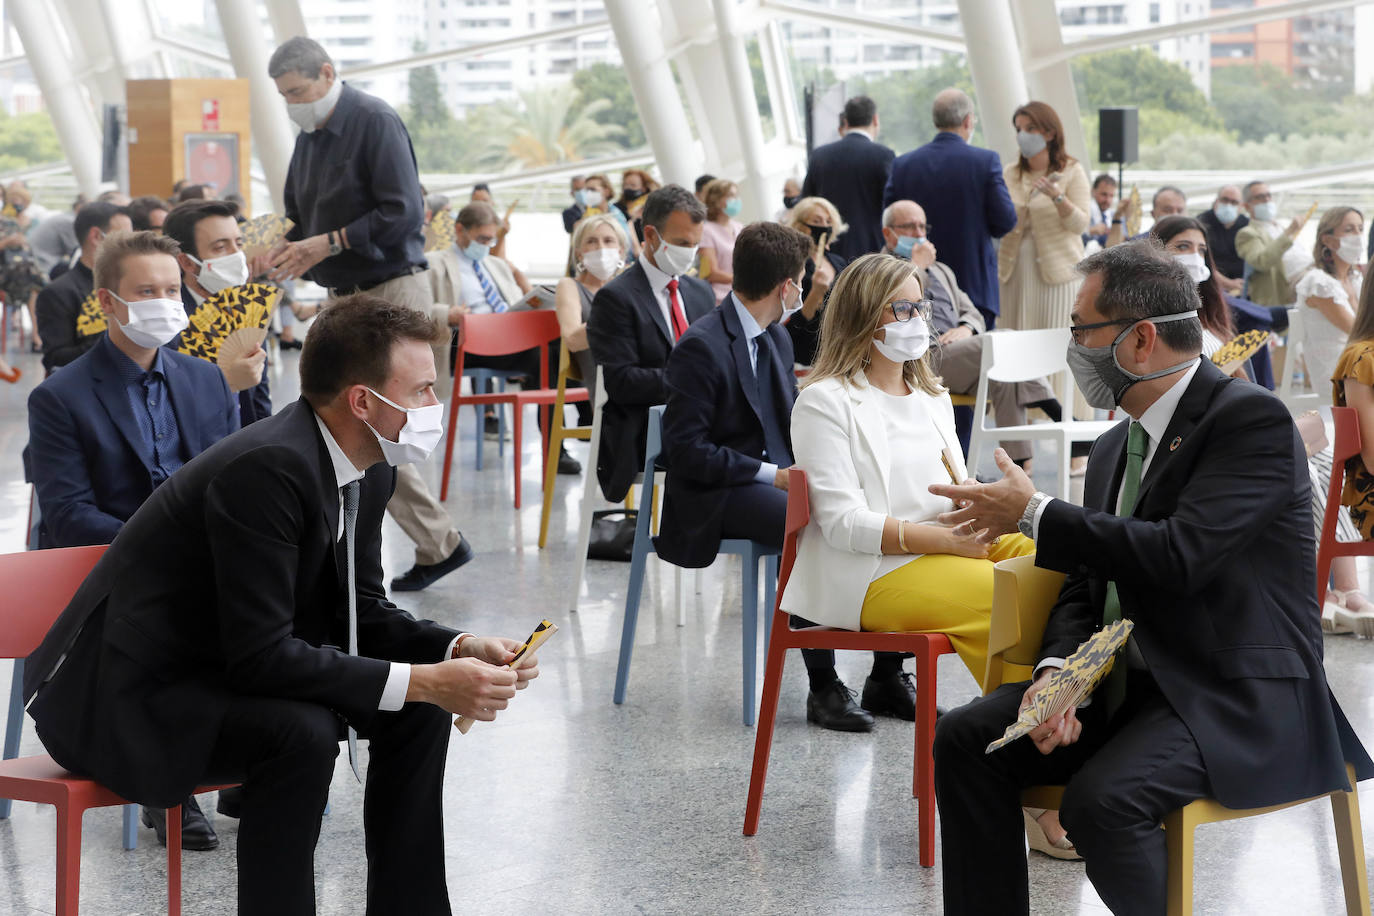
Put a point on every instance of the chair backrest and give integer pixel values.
(506, 333)
(798, 515)
(1347, 444)
(1019, 356)
(39, 584)
(1022, 596)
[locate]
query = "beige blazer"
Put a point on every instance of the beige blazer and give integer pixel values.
(840, 440)
(444, 277)
(1058, 240)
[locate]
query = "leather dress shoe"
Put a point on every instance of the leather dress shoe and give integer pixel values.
(567, 464)
(892, 695)
(230, 802)
(833, 707)
(196, 832)
(418, 576)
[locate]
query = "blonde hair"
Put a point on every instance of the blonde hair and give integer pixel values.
(586, 225)
(715, 192)
(804, 207)
(1331, 221)
(852, 312)
(119, 246)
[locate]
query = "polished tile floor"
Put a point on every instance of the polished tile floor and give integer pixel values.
(569, 804)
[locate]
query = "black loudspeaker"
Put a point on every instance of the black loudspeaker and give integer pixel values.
(1118, 135)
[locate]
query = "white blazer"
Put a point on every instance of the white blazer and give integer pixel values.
(840, 439)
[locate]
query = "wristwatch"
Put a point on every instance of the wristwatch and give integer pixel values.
(334, 246)
(1060, 198)
(1027, 523)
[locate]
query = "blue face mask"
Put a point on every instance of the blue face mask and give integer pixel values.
(905, 245)
(1226, 213)
(476, 250)
(733, 206)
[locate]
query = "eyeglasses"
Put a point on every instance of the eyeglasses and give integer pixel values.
(918, 228)
(1079, 330)
(904, 309)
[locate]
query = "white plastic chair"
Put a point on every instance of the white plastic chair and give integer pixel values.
(1306, 399)
(1020, 356)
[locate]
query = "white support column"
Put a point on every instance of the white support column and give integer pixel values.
(995, 61)
(287, 20)
(1364, 38)
(697, 63)
(781, 93)
(71, 114)
(655, 94)
(84, 26)
(1037, 22)
(754, 187)
(272, 134)
(129, 28)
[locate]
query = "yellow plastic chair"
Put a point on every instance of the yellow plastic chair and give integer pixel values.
(558, 433)
(1022, 596)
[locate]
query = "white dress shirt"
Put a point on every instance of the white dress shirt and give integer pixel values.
(658, 282)
(473, 296)
(398, 678)
(768, 471)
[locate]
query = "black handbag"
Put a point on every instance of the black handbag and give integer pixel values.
(613, 535)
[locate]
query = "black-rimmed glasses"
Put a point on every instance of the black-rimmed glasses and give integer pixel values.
(904, 309)
(1078, 330)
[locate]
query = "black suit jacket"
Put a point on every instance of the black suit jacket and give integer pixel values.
(630, 340)
(851, 174)
(1216, 567)
(254, 403)
(206, 595)
(713, 429)
(57, 308)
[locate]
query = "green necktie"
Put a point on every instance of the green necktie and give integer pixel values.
(1114, 690)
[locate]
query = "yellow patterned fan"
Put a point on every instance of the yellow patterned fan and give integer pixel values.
(540, 635)
(1132, 224)
(1067, 687)
(1238, 349)
(91, 320)
(262, 232)
(220, 320)
(440, 233)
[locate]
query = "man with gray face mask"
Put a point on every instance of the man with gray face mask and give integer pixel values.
(1196, 526)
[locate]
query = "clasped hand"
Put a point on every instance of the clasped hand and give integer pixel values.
(478, 685)
(1060, 730)
(988, 510)
(291, 260)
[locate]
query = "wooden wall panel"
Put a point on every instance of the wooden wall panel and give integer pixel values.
(164, 111)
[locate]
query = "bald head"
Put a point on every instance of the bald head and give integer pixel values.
(903, 218)
(953, 111)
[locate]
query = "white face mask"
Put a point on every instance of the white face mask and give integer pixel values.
(1030, 143)
(789, 310)
(1196, 265)
(674, 260)
(602, 263)
(421, 432)
(152, 322)
(218, 274)
(308, 115)
(906, 340)
(1267, 212)
(1351, 249)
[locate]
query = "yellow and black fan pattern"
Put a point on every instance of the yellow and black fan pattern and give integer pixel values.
(247, 306)
(90, 320)
(441, 233)
(1240, 348)
(262, 232)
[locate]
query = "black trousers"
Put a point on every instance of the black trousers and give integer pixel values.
(1122, 778)
(284, 751)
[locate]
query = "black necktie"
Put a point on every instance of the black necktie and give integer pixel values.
(773, 439)
(350, 521)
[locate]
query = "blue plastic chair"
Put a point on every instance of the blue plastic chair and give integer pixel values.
(480, 378)
(750, 553)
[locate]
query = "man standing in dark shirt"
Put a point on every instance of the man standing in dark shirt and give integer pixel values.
(59, 305)
(353, 193)
(1223, 223)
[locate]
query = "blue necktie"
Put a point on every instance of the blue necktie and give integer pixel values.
(773, 439)
(489, 289)
(350, 519)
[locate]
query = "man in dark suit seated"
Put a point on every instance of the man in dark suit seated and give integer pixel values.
(1196, 526)
(961, 188)
(212, 260)
(60, 304)
(850, 173)
(727, 442)
(221, 639)
(636, 319)
(116, 423)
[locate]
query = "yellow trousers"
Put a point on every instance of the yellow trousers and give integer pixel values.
(942, 593)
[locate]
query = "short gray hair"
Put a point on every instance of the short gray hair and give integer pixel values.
(667, 200)
(951, 107)
(890, 212)
(298, 55)
(1139, 280)
(1249, 190)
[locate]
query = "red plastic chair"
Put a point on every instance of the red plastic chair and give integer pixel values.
(927, 647)
(38, 586)
(1346, 446)
(502, 335)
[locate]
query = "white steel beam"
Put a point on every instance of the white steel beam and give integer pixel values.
(1037, 24)
(875, 25)
(286, 18)
(200, 55)
(477, 50)
(998, 77)
(781, 93)
(754, 187)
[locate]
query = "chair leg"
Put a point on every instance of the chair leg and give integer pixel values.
(1065, 457)
(550, 470)
(14, 724)
(519, 430)
(130, 826)
(450, 435)
(584, 532)
(632, 596)
(68, 861)
(174, 861)
(1178, 835)
(749, 584)
(763, 736)
(1345, 809)
(479, 434)
(923, 785)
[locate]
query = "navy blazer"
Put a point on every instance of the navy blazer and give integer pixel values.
(1246, 316)
(850, 173)
(966, 202)
(254, 403)
(713, 431)
(630, 341)
(82, 454)
(1215, 566)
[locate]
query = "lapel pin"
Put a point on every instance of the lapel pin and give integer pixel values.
(1173, 446)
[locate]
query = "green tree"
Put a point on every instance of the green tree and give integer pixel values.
(1260, 102)
(905, 100)
(607, 82)
(28, 139)
(551, 125)
(1139, 78)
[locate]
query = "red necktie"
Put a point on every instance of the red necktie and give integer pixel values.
(679, 317)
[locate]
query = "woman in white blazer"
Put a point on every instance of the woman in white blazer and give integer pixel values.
(873, 428)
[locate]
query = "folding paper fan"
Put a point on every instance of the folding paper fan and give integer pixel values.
(440, 233)
(240, 342)
(236, 308)
(91, 320)
(1238, 349)
(262, 232)
(536, 639)
(1132, 225)
(1067, 687)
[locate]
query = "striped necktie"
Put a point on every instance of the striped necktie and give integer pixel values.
(489, 289)
(1136, 442)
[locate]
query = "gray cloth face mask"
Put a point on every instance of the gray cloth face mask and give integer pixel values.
(1099, 373)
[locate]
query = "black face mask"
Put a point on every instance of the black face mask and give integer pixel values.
(820, 232)
(633, 195)
(790, 202)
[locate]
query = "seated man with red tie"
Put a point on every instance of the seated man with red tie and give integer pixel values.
(636, 320)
